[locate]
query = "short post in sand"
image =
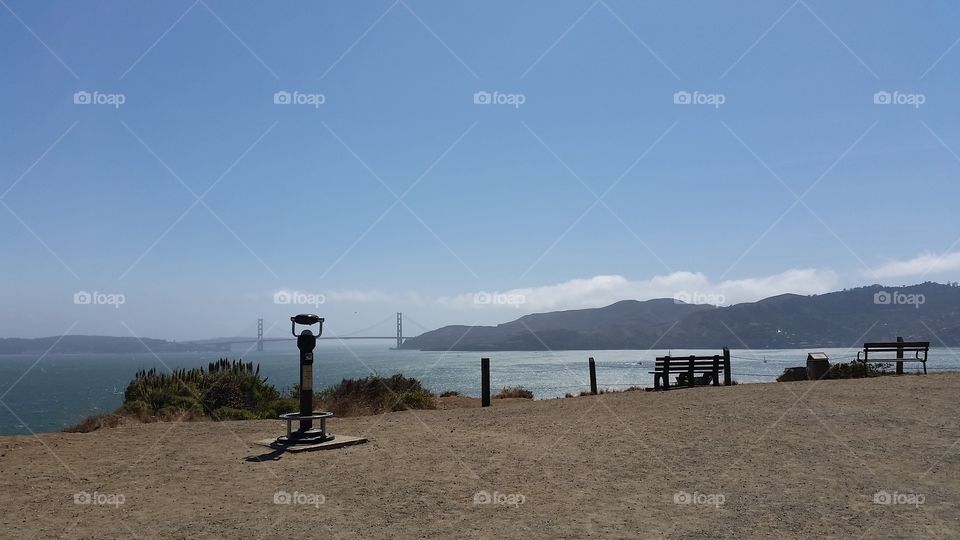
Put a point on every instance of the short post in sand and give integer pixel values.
(484, 382)
(593, 376)
(900, 355)
(306, 342)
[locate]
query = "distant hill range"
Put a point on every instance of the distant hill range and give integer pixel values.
(928, 312)
(98, 345)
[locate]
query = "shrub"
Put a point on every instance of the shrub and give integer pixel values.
(857, 370)
(278, 407)
(376, 394)
(793, 374)
(449, 393)
(94, 423)
(514, 392)
(235, 391)
(136, 409)
(851, 370)
(235, 385)
(229, 413)
(610, 391)
(173, 414)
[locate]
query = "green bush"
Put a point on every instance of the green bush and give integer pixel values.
(843, 370)
(857, 370)
(235, 391)
(281, 406)
(139, 409)
(229, 413)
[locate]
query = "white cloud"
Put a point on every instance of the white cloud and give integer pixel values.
(596, 291)
(688, 286)
(923, 264)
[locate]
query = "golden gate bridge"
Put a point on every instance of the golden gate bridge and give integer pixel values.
(260, 339)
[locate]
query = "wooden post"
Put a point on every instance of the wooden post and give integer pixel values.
(690, 371)
(665, 378)
(716, 370)
(866, 357)
(484, 382)
(593, 376)
(726, 367)
(899, 354)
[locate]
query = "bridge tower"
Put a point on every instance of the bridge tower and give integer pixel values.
(399, 329)
(260, 335)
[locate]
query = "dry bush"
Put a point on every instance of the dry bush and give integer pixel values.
(376, 394)
(514, 392)
(93, 423)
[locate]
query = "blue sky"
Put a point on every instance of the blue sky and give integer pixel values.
(786, 186)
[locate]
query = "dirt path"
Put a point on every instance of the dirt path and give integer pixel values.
(762, 460)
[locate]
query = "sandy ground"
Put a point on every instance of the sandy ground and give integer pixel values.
(762, 460)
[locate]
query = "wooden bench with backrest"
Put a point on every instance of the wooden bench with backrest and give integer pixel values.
(688, 367)
(881, 353)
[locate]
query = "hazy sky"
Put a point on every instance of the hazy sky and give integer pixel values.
(562, 154)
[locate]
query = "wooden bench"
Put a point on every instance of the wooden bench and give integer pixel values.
(899, 348)
(688, 367)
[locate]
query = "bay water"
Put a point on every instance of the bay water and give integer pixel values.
(47, 393)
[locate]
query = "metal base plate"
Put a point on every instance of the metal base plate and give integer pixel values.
(313, 436)
(339, 442)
